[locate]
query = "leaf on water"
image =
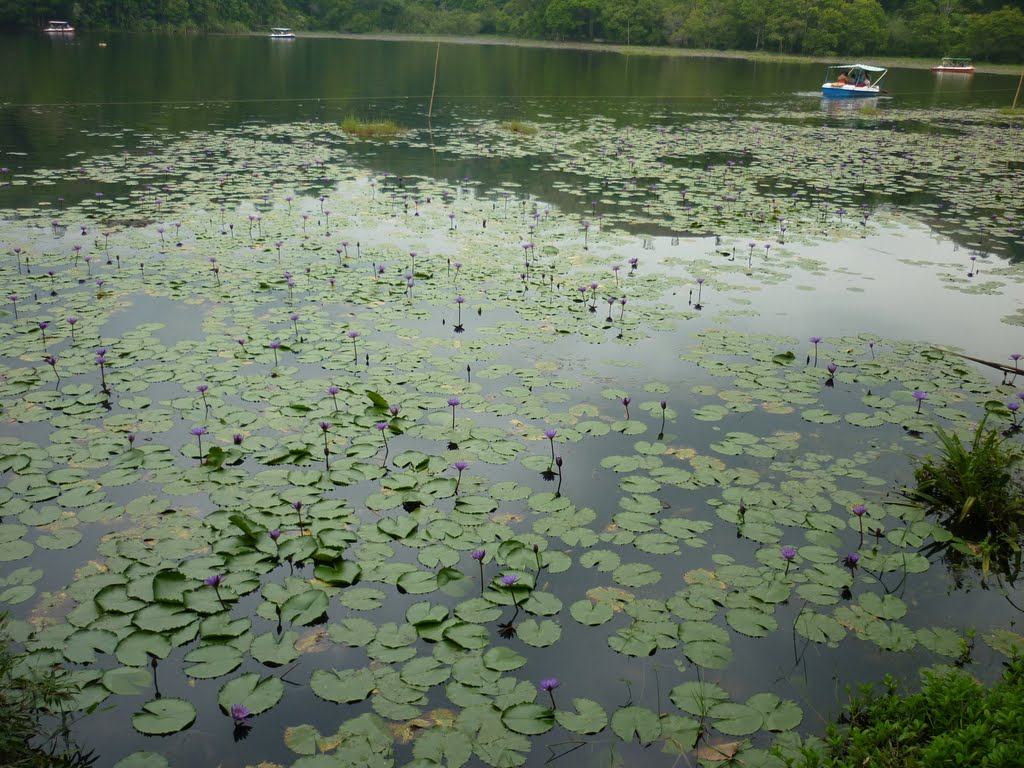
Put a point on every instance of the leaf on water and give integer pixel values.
(164, 715)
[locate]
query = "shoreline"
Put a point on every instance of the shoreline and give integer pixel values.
(645, 50)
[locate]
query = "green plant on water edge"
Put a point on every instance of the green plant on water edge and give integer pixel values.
(953, 722)
(975, 490)
(370, 129)
(28, 697)
(519, 126)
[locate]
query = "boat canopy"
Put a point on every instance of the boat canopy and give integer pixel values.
(280, 29)
(865, 67)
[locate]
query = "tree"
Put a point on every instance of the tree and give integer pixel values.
(997, 36)
(634, 22)
(572, 19)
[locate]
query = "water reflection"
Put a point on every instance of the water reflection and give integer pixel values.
(850, 107)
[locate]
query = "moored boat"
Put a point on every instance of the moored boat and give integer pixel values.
(281, 33)
(955, 66)
(852, 80)
(59, 27)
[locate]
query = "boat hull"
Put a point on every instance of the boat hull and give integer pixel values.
(834, 91)
(955, 70)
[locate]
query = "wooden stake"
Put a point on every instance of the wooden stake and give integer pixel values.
(1017, 95)
(433, 87)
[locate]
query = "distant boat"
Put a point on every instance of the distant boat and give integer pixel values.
(956, 66)
(59, 27)
(852, 81)
(281, 33)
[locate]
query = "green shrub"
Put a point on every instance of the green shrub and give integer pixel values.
(27, 698)
(975, 491)
(954, 722)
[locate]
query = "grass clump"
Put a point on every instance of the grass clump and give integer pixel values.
(370, 129)
(29, 696)
(954, 722)
(976, 492)
(519, 127)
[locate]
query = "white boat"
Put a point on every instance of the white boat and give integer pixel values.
(956, 66)
(59, 27)
(281, 33)
(852, 81)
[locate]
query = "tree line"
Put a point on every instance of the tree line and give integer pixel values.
(988, 30)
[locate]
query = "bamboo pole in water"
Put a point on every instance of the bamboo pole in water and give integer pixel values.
(1017, 94)
(433, 87)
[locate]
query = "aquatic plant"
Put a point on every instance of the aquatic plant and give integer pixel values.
(370, 129)
(460, 467)
(199, 432)
(815, 340)
(549, 685)
(51, 360)
(788, 555)
(976, 491)
(519, 127)
(202, 389)
(920, 397)
(550, 434)
(479, 555)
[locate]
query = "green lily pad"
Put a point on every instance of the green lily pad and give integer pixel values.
(162, 716)
(347, 686)
(589, 717)
(528, 719)
(255, 693)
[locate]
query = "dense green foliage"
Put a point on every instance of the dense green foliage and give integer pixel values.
(26, 695)
(954, 721)
(976, 492)
(984, 29)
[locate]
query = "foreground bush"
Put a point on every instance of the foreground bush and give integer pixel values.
(27, 698)
(954, 722)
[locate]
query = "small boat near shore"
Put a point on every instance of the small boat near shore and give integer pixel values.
(281, 33)
(59, 27)
(955, 66)
(852, 81)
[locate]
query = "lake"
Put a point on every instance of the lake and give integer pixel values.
(603, 373)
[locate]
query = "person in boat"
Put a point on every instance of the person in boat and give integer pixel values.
(863, 81)
(842, 79)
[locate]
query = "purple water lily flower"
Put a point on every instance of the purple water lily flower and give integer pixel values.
(920, 397)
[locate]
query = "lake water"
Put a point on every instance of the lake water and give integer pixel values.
(665, 230)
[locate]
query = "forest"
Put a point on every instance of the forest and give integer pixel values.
(986, 30)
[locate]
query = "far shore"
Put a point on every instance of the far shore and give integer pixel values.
(645, 50)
